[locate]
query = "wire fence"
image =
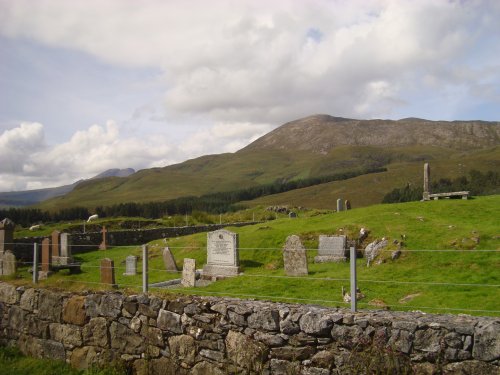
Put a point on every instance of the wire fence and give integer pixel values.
(341, 284)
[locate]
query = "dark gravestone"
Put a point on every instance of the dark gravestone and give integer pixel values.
(46, 257)
(6, 234)
(55, 243)
(108, 271)
(294, 257)
(347, 204)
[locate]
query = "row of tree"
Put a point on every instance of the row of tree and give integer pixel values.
(214, 203)
(477, 183)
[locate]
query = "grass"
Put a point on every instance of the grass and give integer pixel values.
(12, 362)
(452, 225)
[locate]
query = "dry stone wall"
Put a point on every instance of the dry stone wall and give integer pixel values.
(195, 335)
(90, 241)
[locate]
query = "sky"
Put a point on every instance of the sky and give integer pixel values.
(88, 85)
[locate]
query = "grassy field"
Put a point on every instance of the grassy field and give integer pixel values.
(457, 232)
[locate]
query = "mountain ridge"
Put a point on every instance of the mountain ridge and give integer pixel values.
(31, 197)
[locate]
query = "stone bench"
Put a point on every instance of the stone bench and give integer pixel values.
(463, 194)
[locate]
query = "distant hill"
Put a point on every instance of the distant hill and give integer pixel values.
(314, 146)
(31, 197)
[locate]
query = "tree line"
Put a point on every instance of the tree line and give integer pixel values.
(214, 203)
(477, 183)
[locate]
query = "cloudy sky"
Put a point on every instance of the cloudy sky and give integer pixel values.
(87, 85)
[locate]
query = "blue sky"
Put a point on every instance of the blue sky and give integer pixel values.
(91, 85)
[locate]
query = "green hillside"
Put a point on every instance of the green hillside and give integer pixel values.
(314, 146)
(433, 281)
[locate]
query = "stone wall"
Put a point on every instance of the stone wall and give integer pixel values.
(196, 335)
(90, 241)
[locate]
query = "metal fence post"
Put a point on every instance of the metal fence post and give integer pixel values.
(35, 263)
(145, 268)
(353, 279)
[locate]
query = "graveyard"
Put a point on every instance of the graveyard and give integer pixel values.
(464, 228)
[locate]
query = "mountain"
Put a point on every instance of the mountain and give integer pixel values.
(31, 197)
(314, 146)
(322, 133)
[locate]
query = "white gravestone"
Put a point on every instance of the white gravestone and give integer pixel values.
(331, 249)
(130, 265)
(222, 254)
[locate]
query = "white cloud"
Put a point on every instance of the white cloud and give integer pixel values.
(255, 62)
(29, 163)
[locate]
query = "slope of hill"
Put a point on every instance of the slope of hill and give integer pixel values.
(314, 146)
(30, 197)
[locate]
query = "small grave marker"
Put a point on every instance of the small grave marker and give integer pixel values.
(347, 204)
(55, 243)
(331, 249)
(7, 263)
(130, 265)
(168, 260)
(108, 271)
(294, 257)
(6, 234)
(46, 258)
(189, 273)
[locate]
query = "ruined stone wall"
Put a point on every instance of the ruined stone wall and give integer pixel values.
(90, 241)
(195, 335)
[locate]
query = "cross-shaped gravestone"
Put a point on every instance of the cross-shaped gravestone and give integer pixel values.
(103, 245)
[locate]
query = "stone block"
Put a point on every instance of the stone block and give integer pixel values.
(74, 310)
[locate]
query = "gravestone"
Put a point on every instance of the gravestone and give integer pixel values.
(168, 260)
(130, 265)
(64, 257)
(339, 205)
(292, 215)
(222, 254)
(188, 273)
(55, 243)
(103, 245)
(294, 257)
(6, 234)
(331, 249)
(108, 271)
(347, 204)
(7, 263)
(427, 177)
(46, 258)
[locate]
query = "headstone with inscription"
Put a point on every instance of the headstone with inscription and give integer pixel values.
(55, 243)
(108, 271)
(6, 234)
(294, 257)
(64, 257)
(103, 245)
(130, 265)
(168, 260)
(222, 254)
(339, 205)
(331, 249)
(189, 273)
(7, 263)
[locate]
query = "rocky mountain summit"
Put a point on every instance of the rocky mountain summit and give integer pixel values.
(321, 133)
